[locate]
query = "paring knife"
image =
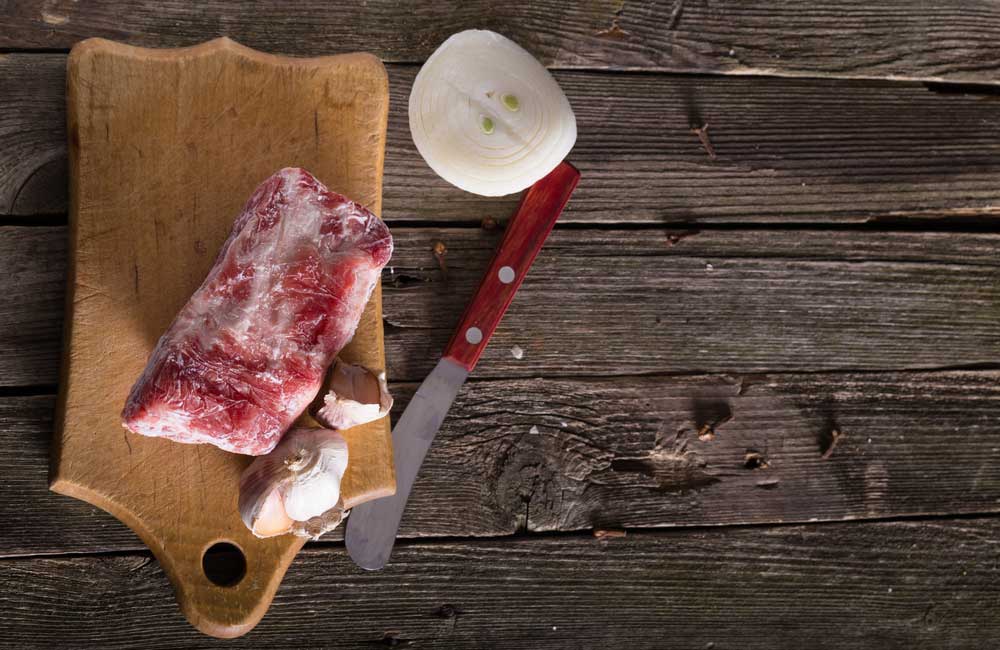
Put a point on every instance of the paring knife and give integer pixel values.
(372, 526)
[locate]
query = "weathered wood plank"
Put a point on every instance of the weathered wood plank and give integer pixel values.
(40, 521)
(33, 285)
(717, 301)
(33, 162)
(625, 302)
(909, 585)
(789, 150)
(563, 455)
(557, 455)
(886, 38)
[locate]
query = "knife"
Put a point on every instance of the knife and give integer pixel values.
(372, 526)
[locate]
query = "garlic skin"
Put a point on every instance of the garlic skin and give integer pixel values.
(488, 117)
(357, 396)
(296, 483)
(316, 526)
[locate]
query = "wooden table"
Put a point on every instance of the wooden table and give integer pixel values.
(758, 400)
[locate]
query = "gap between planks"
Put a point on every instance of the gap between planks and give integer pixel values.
(527, 536)
(875, 223)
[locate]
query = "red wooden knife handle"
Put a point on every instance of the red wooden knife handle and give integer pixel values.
(525, 234)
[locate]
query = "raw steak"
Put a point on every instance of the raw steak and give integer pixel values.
(248, 351)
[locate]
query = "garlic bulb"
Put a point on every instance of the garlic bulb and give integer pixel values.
(296, 487)
(357, 395)
(487, 116)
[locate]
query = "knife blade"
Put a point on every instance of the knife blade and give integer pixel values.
(372, 526)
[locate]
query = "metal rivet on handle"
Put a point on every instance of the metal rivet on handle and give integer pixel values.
(473, 335)
(506, 274)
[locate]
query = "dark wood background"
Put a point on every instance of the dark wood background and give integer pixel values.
(776, 370)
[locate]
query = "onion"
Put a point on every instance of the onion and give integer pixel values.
(487, 116)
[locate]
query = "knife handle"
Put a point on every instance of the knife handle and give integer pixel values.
(526, 232)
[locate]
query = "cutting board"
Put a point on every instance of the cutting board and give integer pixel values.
(165, 148)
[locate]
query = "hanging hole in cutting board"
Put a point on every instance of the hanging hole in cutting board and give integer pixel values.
(224, 564)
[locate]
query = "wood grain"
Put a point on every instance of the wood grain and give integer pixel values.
(165, 148)
(789, 150)
(33, 163)
(902, 585)
(33, 268)
(714, 301)
(542, 455)
(556, 455)
(600, 303)
(887, 38)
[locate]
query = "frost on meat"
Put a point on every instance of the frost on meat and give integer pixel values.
(248, 351)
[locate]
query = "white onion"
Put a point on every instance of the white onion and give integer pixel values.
(487, 116)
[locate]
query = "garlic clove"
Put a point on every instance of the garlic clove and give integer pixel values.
(272, 519)
(259, 483)
(311, 497)
(299, 480)
(357, 396)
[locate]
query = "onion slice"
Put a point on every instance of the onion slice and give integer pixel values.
(487, 116)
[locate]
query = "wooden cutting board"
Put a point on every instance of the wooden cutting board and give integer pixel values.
(165, 148)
